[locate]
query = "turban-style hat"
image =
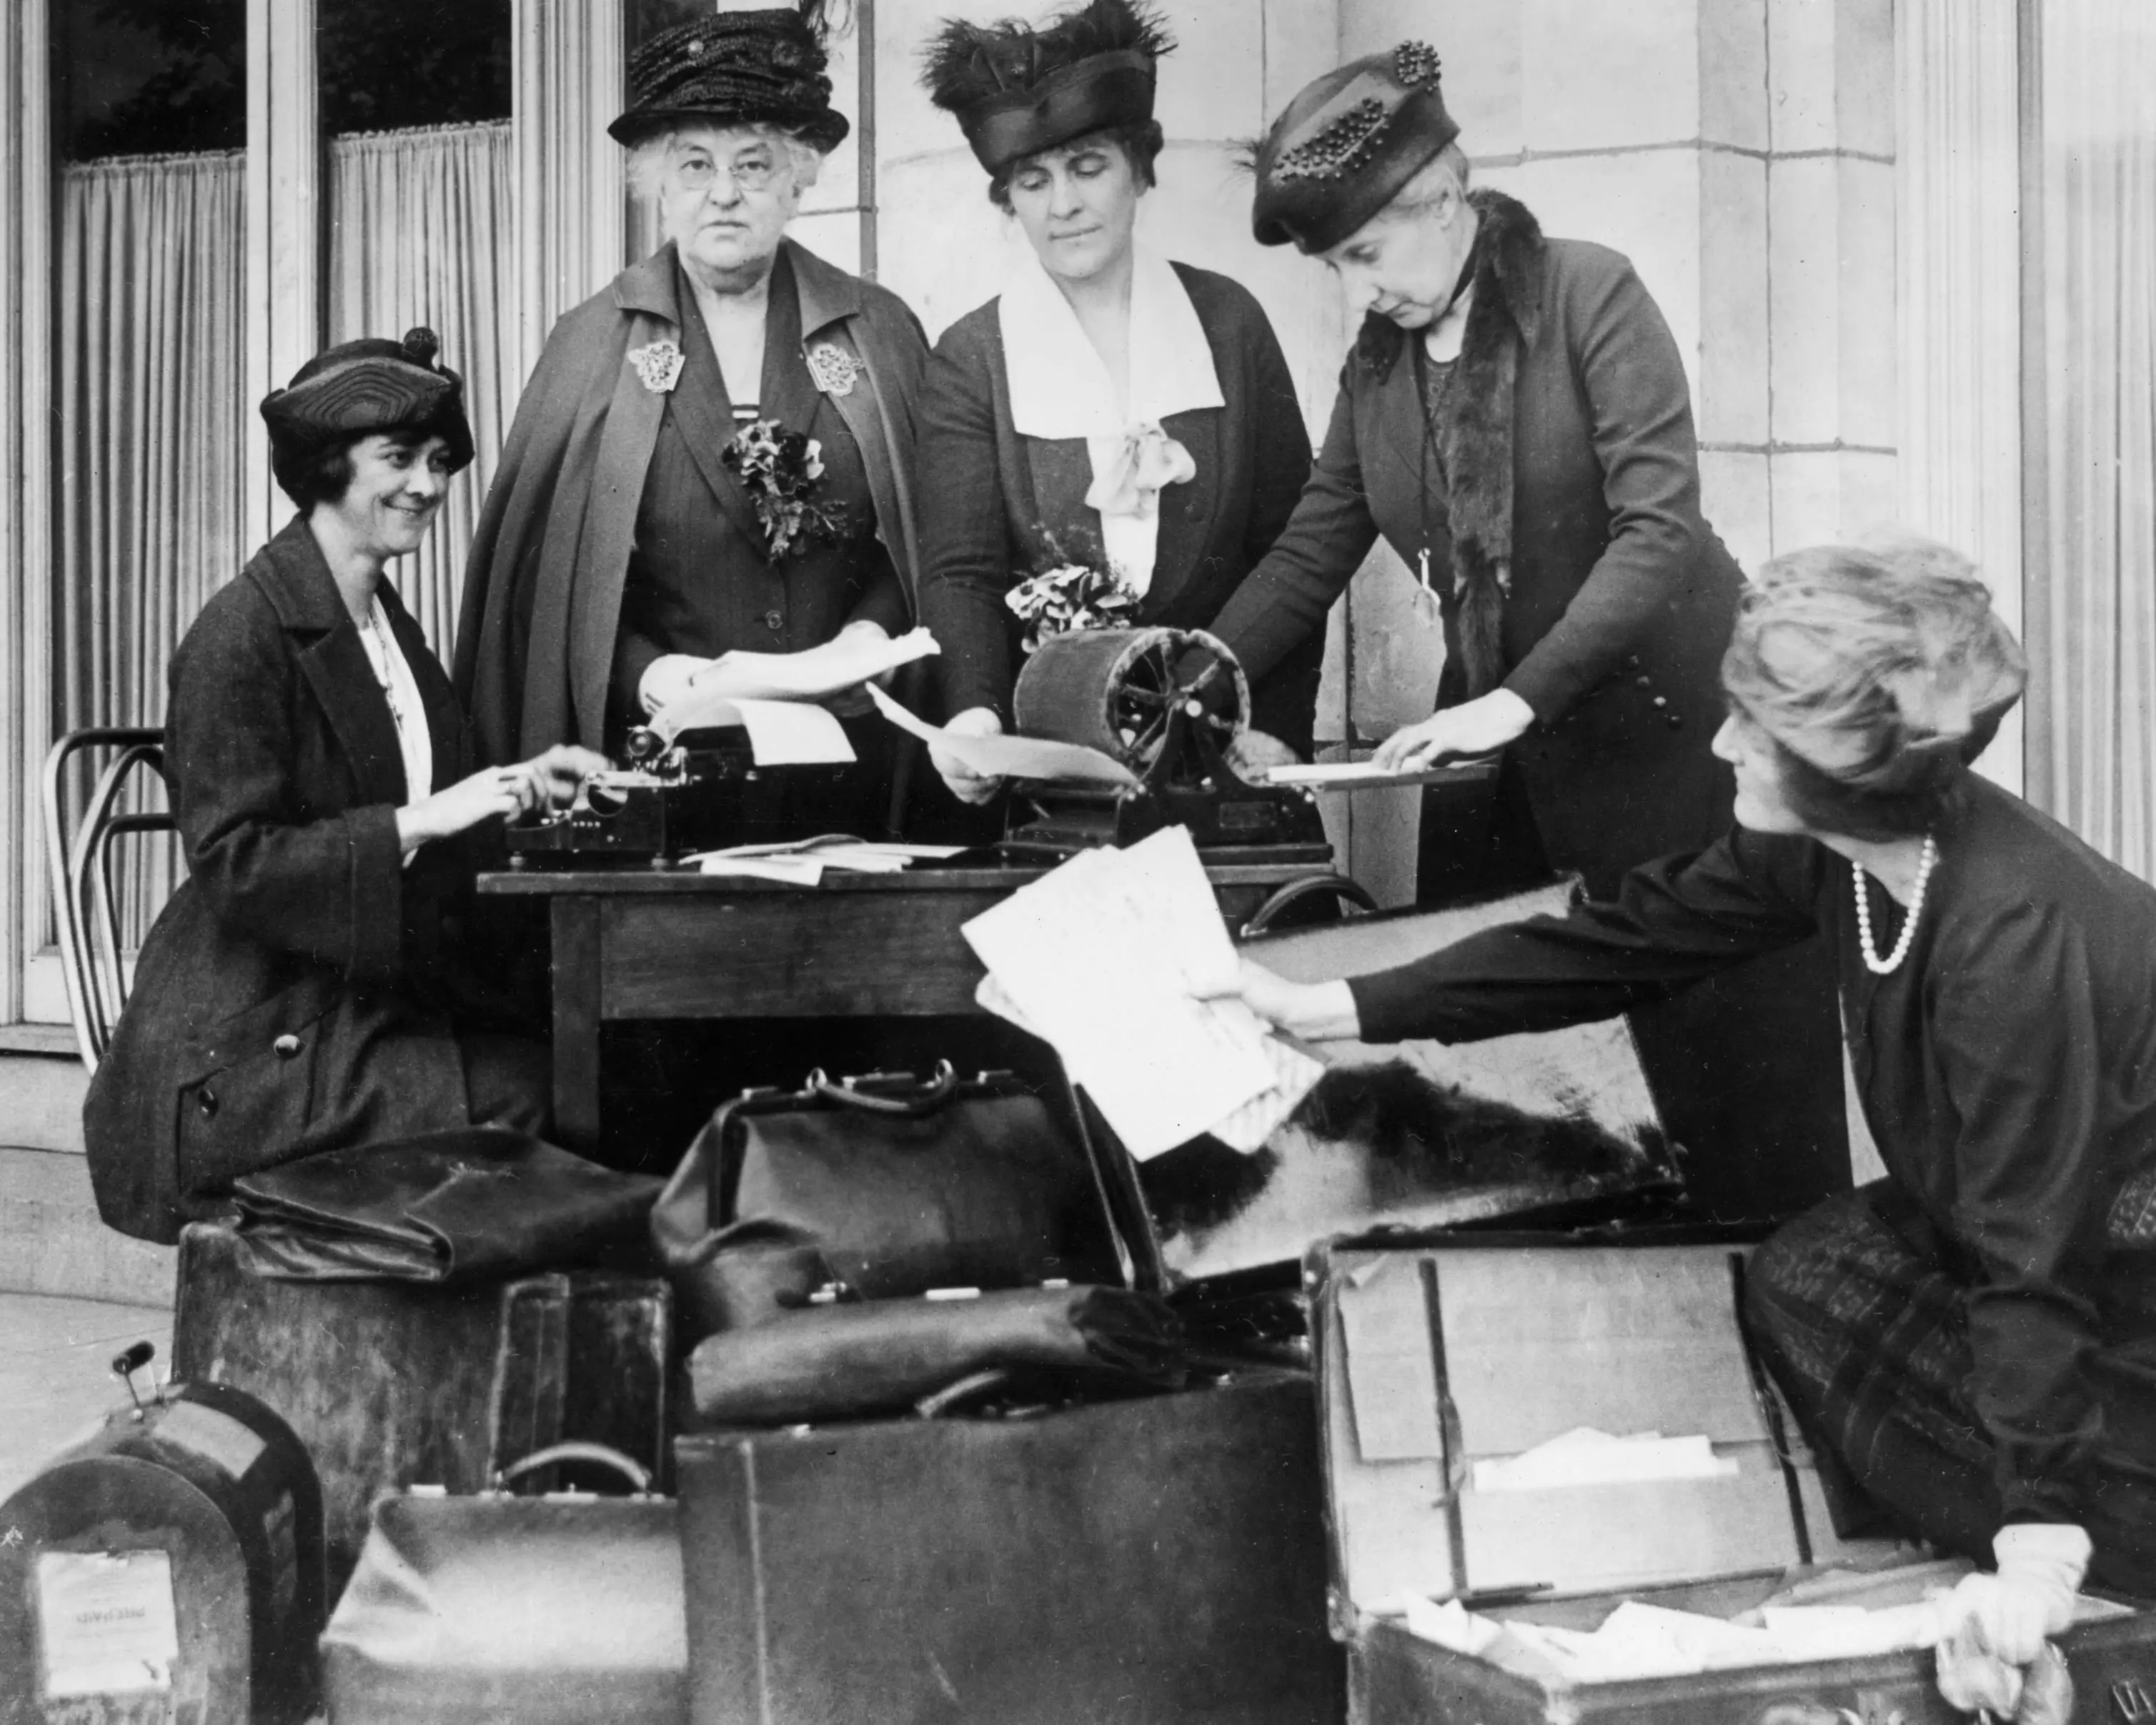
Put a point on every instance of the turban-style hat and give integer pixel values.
(741, 67)
(1882, 668)
(1017, 90)
(356, 388)
(1342, 149)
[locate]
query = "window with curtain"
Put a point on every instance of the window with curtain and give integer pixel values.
(2093, 615)
(420, 233)
(420, 197)
(148, 420)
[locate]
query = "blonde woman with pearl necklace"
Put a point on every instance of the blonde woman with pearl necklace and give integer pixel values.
(1974, 1336)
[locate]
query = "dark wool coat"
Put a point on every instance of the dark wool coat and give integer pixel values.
(1621, 597)
(2007, 1067)
(989, 499)
(542, 597)
(297, 993)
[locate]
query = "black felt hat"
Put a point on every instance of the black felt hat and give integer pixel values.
(357, 388)
(737, 68)
(1018, 90)
(1346, 144)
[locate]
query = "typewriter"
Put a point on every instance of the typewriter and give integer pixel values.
(1133, 695)
(702, 791)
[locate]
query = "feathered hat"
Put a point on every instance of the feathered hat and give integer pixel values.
(1018, 90)
(1346, 144)
(745, 64)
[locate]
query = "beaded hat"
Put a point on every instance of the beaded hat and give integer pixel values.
(1018, 90)
(357, 388)
(741, 66)
(1346, 144)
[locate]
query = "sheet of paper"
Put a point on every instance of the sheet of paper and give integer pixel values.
(1013, 757)
(1295, 1075)
(1092, 956)
(792, 870)
(1587, 1457)
(793, 733)
(106, 1622)
(839, 665)
(1368, 775)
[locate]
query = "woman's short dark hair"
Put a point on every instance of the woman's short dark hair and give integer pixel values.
(1880, 672)
(320, 475)
(1140, 142)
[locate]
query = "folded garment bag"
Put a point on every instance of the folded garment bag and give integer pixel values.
(559, 1610)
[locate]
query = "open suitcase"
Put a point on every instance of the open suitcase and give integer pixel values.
(1437, 1354)
(457, 1380)
(1157, 1561)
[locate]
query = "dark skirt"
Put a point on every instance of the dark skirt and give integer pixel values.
(1866, 1332)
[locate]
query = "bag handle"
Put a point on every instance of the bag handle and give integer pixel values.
(576, 1450)
(925, 1098)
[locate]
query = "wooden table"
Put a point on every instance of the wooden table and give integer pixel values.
(650, 943)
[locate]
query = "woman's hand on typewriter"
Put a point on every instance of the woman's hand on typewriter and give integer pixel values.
(1316, 1012)
(556, 775)
(532, 787)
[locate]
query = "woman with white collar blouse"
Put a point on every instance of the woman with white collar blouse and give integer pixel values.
(1111, 407)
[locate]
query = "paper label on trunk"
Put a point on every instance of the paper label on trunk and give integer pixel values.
(106, 1622)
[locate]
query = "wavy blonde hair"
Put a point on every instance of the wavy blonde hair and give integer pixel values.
(1881, 671)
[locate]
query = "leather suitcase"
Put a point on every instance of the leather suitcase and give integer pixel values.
(1153, 1562)
(1434, 1354)
(550, 1611)
(391, 1384)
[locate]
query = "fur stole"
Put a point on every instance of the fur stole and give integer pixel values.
(1473, 425)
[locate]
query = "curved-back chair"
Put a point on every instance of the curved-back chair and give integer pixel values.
(79, 863)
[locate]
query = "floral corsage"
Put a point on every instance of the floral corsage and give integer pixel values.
(1071, 596)
(780, 471)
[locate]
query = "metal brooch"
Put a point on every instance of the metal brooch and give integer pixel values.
(657, 366)
(833, 370)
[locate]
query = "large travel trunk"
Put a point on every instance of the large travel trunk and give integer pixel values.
(1434, 1356)
(391, 1384)
(1159, 1561)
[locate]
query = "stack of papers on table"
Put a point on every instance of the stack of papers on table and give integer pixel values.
(804, 862)
(1101, 957)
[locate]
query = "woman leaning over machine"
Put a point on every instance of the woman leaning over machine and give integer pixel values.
(633, 543)
(1975, 1335)
(310, 986)
(1110, 407)
(1513, 418)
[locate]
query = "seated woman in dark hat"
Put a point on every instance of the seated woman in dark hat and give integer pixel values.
(309, 987)
(627, 549)
(1975, 1335)
(1109, 408)
(1514, 419)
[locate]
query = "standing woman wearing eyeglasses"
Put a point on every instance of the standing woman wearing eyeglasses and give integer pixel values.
(630, 546)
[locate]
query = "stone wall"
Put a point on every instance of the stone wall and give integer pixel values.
(1740, 151)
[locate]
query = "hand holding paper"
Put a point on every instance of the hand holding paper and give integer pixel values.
(1101, 957)
(842, 664)
(999, 757)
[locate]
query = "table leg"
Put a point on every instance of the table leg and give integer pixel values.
(576, 1022)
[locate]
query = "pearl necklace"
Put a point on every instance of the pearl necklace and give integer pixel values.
(1892, 961)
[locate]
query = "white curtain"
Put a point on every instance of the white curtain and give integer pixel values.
(2092, 633)
(152, 434)
(422, 232)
